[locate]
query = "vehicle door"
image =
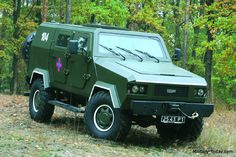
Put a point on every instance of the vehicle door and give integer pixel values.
(78, 63)
(59, 55)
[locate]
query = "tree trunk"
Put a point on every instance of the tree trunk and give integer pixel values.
(208, 64)
(61, 11)
(186, 33)
(196, 30)
(4, 26)
(177, 27)
(38, 12)
(164, 14)
(93, 17)
(68, 11)
(209, 54)
(130, 23)
(16, 15)
(45, 11)
(14, 81)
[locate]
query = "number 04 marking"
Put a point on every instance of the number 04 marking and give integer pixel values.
(45, 36)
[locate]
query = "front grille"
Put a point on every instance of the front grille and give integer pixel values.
(171, 91)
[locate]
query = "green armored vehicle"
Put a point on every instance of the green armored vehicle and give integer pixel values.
(116, 77)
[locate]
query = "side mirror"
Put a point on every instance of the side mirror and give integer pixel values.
(176, 56)
(83, 44)
(73, 46)
(80, 45)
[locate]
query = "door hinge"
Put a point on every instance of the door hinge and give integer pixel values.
(89, 59)
(67, 55)
(86, 76)
(66, 71)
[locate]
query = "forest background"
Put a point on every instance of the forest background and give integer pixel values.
(204, 30)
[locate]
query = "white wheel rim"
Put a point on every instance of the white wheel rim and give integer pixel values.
(34, 107)
(95, 119)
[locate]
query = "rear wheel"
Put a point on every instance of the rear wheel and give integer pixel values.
(39, 109)
(189, 131)
(103, 121)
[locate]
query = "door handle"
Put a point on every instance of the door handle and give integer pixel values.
(66, 72)
(86, 76)
(72, 61)
(53, 56)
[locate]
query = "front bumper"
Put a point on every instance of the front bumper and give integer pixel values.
(158, 108)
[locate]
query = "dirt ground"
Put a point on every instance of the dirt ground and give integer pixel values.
(65, 136)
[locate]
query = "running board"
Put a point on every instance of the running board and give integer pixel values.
(65, 106)
(26, 94)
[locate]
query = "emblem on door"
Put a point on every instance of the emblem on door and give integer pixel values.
(59, 64)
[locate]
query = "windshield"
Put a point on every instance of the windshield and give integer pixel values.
(139, 45)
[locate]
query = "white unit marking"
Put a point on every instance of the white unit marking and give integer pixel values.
(44, 36)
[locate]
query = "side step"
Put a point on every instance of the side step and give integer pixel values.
(66, 106)
(26, 94)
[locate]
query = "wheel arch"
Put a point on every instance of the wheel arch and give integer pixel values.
(40, 73)
(102, 86)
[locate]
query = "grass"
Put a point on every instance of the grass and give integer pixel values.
(66, 136)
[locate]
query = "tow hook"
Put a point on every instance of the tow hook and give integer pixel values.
(193, 116)
(177, 107)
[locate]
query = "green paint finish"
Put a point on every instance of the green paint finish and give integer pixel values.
(104, 116)
(99, 85)
(103, 62)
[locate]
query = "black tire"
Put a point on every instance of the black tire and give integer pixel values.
(189, 131)
(168, 132)
(103, 121)
(39, 109)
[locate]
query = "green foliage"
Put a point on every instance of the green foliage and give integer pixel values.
(81, 13)
(106, 12)
(223, 28)
(225, 76)
(10, 46)
(165, 17)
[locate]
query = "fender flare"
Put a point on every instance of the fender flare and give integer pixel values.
(42, 73)
(99, 85)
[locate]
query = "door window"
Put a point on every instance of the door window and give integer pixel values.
(63, 40)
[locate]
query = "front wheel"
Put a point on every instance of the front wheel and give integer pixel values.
(103, 121)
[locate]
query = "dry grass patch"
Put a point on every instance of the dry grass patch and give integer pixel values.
(66, 136)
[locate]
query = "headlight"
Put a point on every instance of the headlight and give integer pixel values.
(141, 89)
(135, 89)
(200, 92)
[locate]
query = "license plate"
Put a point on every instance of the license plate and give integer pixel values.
(173, 119)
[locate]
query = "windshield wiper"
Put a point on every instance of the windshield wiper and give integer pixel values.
(147, 54)
(112, 51)
(128, 51)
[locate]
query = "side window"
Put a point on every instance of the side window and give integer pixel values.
(63, 40)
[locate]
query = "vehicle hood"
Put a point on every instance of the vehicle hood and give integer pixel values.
(151, 72)
(149, 68)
